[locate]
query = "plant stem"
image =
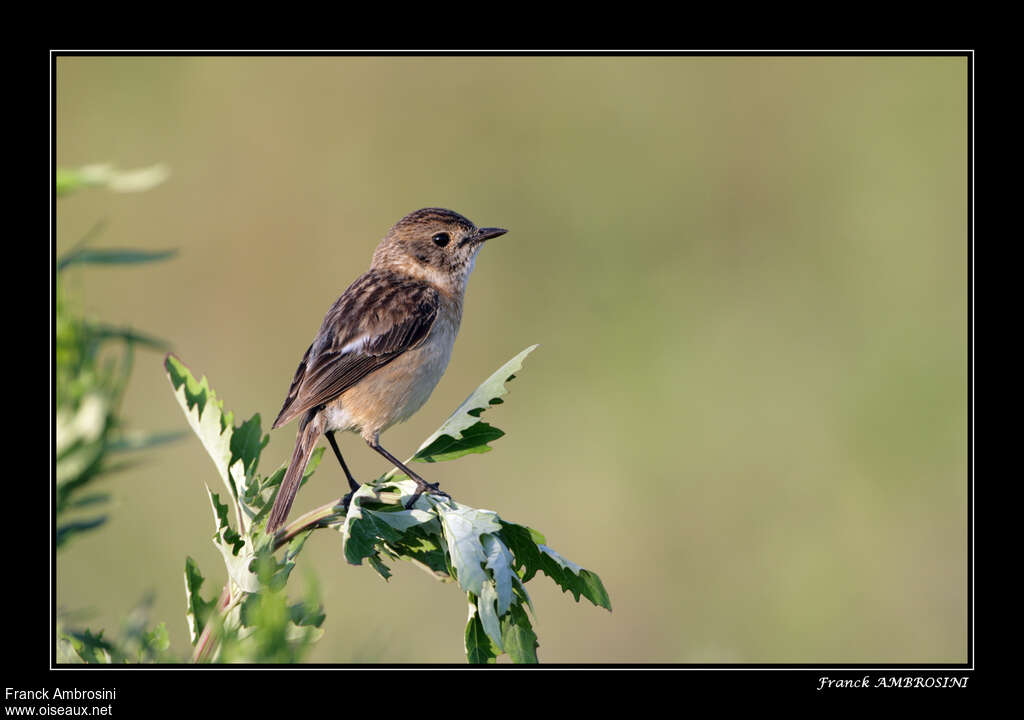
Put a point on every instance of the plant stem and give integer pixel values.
(315, 518)
(319, 517)
(204, 645)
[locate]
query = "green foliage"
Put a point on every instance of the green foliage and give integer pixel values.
(93, 363)
(256, 624)
(137, 643)
(91, 440)
(463, 432)
(110, 256)
(489, 558)
(198, 610)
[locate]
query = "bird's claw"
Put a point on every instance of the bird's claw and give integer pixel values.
(431, 488)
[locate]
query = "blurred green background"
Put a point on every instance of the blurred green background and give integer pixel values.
(748, 277)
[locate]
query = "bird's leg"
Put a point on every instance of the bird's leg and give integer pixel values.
(352, 484)
(422, 485)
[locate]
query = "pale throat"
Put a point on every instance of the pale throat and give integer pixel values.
(451, 284)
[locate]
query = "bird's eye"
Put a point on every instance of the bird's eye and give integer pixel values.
(441, 239)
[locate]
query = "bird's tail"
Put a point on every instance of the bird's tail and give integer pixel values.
(304, 444)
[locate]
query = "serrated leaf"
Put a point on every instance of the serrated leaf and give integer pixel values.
(474, 440)
(247, 442)
(480, 649)
(92, 649)
(518, 637)
(462, 527)
(485, 604)
(523, 542)
(198, 610)
(463, 432)
(235, 549)
(205, 414)
(499, 562)
(225, 534)
(364, 528)
(573, 578)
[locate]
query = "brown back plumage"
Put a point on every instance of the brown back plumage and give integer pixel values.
(380, 316)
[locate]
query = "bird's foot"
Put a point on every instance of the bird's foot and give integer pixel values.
(425, 487)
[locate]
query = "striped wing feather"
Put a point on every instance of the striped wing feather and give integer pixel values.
(376, 320)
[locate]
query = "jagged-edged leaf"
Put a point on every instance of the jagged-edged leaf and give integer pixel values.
(479, 647)
(518, 637)
(364, 528)
(523, 542)
(205, 414)
(499, 562)
(463, 432)
(474, 440)
(462, 527)
(247, 441)
(234, 548)
(92, 649)
(197, 609)
(573, 578)
(489, 618)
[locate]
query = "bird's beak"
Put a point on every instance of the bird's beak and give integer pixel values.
(488, 233)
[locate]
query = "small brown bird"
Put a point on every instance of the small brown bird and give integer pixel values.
(383, 345)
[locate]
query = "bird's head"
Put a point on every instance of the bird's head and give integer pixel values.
(435, 245)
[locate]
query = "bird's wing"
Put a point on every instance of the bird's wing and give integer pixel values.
(376, 320)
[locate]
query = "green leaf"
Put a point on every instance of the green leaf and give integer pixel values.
(463, 432)
(236, 550)
(462, 527)
(88, 500)
(205, 414)
(364, 528)
(488, 615)
(518, 637)
(108, 332)
(130, 441)
(155, 641)
(523, 542)
(247, 441)
(91, 648)
(573, 578)
(198, 610)
(479, 647)
(66, 531)
(499, 562)
(111, 256)
(474, 440)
